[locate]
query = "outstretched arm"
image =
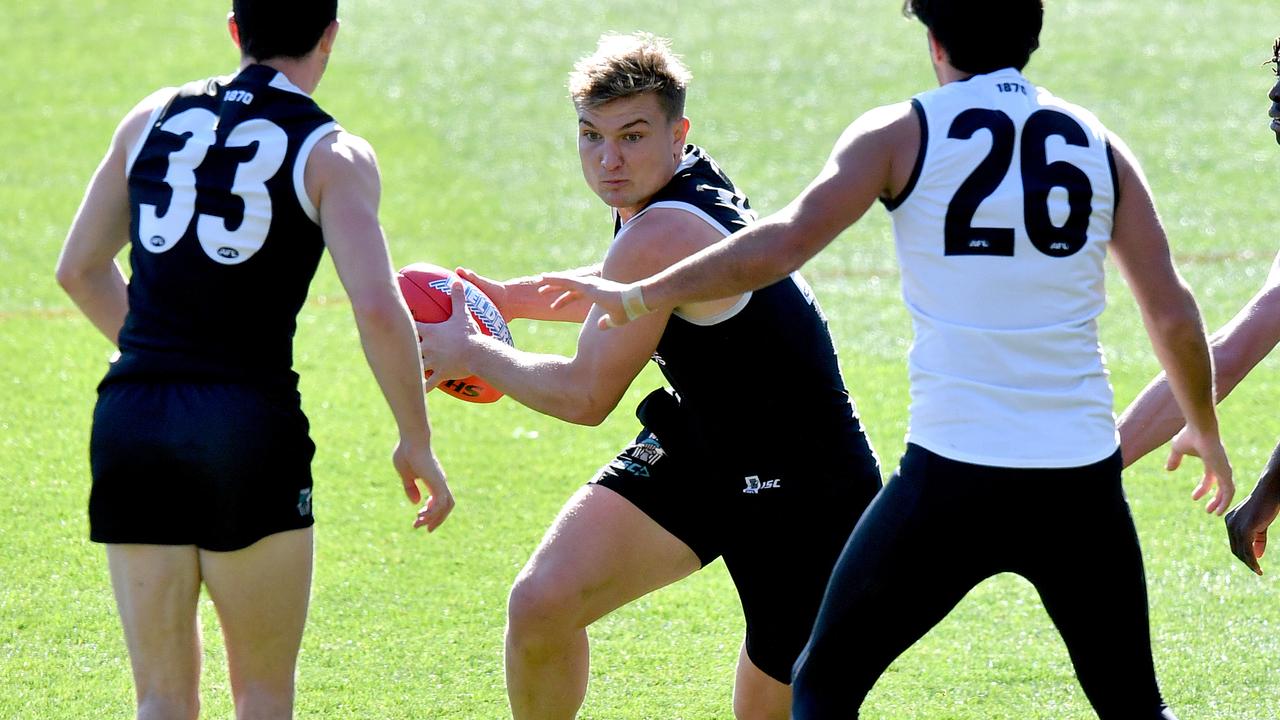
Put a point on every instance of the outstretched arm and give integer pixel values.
(343, 180)
(519, 297)
(860, 169)
(1153, 417)
(586, 387)
(1173, 323)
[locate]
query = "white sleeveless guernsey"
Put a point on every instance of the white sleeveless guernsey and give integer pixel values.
(1001, 234)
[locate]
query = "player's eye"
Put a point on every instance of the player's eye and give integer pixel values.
(633, 137)
(592, 135)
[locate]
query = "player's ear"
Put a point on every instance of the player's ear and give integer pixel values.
(327, 39)
(234, 29)
(936, 51)
(680, 131)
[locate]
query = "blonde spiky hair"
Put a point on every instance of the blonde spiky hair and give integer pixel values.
(627, 65)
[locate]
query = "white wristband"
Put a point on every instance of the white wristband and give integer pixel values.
(633, 303)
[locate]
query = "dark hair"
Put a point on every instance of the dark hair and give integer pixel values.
(1274, 62)
(282, 28)
(981, 36)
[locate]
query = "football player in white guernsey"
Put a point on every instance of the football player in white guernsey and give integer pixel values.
(697, 484)
(200, 453)
(1153, 417)
(1005, 200)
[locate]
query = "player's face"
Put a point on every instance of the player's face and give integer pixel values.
(629, 150)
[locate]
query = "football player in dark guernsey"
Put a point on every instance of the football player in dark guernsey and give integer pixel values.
(228, 190)
(714, 471)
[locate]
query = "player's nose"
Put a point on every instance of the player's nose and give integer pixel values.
(611, 156)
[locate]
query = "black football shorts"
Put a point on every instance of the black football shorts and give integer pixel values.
(779, 528)
(219, 466)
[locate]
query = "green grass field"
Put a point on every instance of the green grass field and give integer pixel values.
(467, 106)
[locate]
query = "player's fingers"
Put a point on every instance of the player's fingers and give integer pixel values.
(606, 322)
(563, 299)
(1206, 482)
(1175, 459)
(458, 294)
(432, 380)
(1260, 544)
(1221, 499)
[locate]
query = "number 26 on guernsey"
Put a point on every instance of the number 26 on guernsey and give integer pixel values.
(1039, 177)
(159, 233)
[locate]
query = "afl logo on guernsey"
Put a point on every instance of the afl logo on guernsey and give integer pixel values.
(157, 241)
(229, 253)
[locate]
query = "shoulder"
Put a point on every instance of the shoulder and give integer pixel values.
(656, 240)
(341, 149)
(885, 128)
(341, 158)
(133, 126)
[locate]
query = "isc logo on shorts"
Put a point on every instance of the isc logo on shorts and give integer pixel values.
(755, 485)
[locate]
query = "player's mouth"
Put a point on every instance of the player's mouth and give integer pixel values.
(613, 184)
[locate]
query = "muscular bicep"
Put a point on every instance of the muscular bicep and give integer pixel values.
(101, 225)
(872, 159)
(342, 177)
(1139, 244)
(608, 360)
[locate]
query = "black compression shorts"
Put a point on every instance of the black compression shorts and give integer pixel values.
(219, 466)
(779, 528)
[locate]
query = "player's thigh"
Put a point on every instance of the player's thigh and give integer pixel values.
(157, 588)
(783, 546)
(1094, 588)
(599, 554)
(910, 560)
(261, 593)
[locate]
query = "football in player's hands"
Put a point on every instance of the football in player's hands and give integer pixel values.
(425, 288)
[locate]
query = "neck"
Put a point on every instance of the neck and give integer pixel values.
(302, 72)
(948, 74)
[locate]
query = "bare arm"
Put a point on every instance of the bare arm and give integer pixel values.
(87, 269)
(1173, 323)
(1153, 417)
(519, 297)
(585, 388)
(343, 180)
(870, 159)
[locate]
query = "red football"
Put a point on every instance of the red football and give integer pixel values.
(426, 290)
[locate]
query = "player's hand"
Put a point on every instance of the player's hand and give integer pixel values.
(444, 345)
(563, 289)
(1217, 468)
(415, 461)
(497, 291)
(1247, 527)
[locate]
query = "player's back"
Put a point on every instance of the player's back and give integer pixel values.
(224, 238)
(1001, 236)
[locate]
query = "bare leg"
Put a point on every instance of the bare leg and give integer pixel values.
(601, 553)
(261, 593)
(756, 695)
(156, 589)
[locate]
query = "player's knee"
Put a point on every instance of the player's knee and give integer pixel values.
(536, 605)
